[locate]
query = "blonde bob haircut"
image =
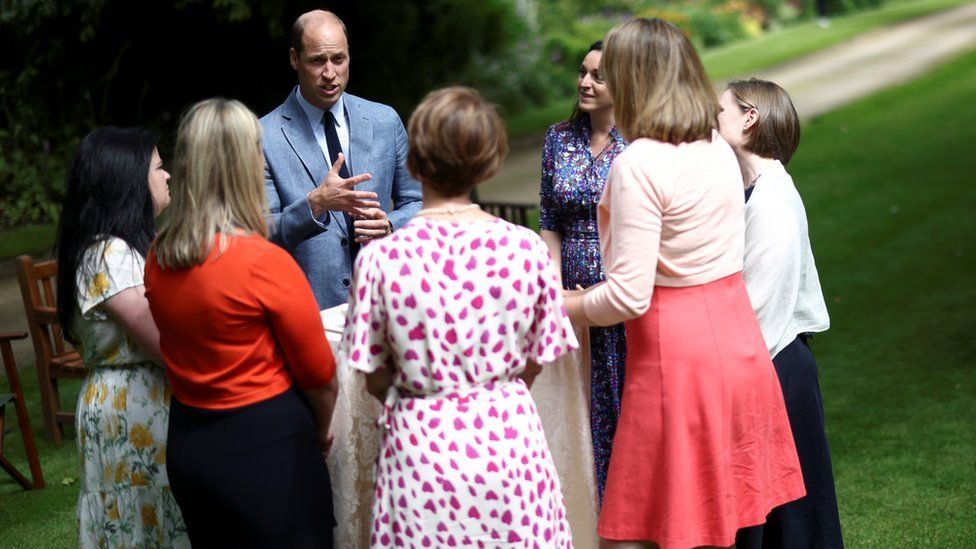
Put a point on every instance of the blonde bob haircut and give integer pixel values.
(457, 140)
(218, 183)
(776, 133)
(660, 90)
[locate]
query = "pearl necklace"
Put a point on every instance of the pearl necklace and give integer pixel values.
(448, 211)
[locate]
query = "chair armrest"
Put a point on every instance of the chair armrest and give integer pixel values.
(12, 336)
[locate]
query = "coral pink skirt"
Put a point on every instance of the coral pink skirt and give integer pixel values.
(703, 446)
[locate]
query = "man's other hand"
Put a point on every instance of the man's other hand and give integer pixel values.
(372, 224)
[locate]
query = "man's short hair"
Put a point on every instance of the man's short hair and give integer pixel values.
(457, 139)
(303, 20)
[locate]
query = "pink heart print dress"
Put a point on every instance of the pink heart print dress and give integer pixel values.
(456, 310)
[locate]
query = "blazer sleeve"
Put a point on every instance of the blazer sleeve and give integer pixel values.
(405, 190)
(291, 224)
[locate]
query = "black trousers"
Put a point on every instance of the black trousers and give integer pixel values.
(251, 476)
(813, 521)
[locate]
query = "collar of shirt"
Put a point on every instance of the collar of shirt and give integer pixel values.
(315, 114)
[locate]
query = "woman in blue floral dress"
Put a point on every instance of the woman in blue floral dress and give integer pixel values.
(575, 161)
(116, 188)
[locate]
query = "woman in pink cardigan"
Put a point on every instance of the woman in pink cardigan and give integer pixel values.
(703, 446)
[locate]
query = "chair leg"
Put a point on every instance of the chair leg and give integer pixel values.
(52, 431)
(23, 420)
(4, 463)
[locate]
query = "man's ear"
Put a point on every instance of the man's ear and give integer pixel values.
(752, 117)
(293, 57)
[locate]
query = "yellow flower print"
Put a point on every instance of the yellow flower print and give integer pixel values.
(154, 394)
(140, 436)
(112, 511)
(167, 392)
(113, 354)
(98, 285)
(149, 516)
(102, 393)
(120, 397)
(138, 479)
(107, 474)
(120, 472)
(160, 457)
(90, 393)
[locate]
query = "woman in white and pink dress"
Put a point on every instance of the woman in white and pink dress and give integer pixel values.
(450, 318)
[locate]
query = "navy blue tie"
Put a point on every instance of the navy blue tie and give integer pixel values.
(332, 141)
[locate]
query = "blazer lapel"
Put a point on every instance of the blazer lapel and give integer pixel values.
(299, 135)
(360, 139)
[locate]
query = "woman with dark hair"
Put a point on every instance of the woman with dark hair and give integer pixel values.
(575, 161)
(116, 187)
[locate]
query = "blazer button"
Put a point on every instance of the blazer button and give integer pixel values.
(344, 242)
(345, 282)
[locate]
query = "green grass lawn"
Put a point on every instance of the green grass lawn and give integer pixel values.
(887, 184)
(763, 52)
(888, 187)
(795, 41)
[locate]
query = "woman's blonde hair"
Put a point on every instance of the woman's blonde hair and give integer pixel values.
(217, 185)
(457, 139)
(659, 86)
(776, 133)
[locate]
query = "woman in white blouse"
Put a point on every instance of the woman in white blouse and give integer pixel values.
(759, 122)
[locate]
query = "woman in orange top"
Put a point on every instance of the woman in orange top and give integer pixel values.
(239, 329)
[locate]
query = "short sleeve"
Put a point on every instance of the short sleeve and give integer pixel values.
(108, 268)
(365, 345)
(551, 330)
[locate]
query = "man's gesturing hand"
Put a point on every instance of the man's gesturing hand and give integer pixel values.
(337, 194)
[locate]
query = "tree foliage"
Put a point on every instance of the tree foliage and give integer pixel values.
(67, 66)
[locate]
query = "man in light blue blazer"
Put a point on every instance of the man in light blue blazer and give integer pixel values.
(335, 164)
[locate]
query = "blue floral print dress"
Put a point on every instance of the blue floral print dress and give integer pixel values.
(572, 184)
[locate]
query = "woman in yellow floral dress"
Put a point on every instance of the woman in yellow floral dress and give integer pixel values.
(116, 188)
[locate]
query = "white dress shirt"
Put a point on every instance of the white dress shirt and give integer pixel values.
(315, 114)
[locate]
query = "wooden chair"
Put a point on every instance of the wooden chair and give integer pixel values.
(54, 360)
(514, 213)
(23, 421)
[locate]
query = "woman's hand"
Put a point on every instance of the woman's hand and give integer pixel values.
(578, 291)
(322, 402)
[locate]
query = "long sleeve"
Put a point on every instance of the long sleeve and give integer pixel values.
(285, 294)
(630, 215)
(291, 224)
(773, 264)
